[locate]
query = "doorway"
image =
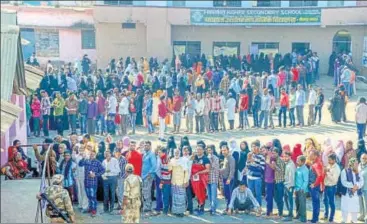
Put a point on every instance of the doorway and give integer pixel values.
(301, 47)
(342, 42)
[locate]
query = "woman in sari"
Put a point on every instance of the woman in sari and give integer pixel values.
(180, 180)
(297, 151)
(15, 168)
(349, 153)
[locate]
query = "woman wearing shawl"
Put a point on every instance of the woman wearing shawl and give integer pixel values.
(311, 144)
(339, 151)
(67, 168)
(171, 146)
(352, 183)
(349, 153)
(241, 164)
(15, 168)
(180, 180)
(297, 151)
(185, 142)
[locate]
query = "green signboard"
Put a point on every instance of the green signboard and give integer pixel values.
(255, 16)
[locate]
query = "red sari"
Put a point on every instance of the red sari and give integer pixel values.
(12, 153)
(199, 186)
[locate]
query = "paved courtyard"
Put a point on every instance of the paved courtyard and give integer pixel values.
(18, 203)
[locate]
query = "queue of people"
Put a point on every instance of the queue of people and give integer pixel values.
(249, 176)
(205, 93)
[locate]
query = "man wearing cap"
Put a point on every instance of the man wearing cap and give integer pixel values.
(60, 197)
(132, 196)
(242, 199)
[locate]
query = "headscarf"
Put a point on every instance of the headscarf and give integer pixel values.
(327, 150)
(339, 150)
(297, 151)
(233, 146)
(125, 142)
(286, 148)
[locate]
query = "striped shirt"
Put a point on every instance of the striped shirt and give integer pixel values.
(214, 170)
(165, 173)
(215, 104)
(122, 164)
(257, 167)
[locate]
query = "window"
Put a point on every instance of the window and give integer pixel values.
(128, 25)
(118, 2)
(264, 47)
(47, 42)
(302, 3)
(88, 39)
(193, 48)
(335, 3)
(178, 3)
(226, 48)
(268, 3)
(227, 3)
(300, 47)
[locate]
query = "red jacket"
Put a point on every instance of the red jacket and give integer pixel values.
(284, 100)
(295, 76)
(136, 159)
(318, 169)
(244, 102)
(162, 110)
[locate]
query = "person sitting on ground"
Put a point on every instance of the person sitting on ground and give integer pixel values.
(243, 200)
(16, 168)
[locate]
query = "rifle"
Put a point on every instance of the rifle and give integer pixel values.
(55, 209)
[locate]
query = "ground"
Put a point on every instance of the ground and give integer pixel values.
(18, 203)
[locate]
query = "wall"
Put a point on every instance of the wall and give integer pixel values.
(20, 129)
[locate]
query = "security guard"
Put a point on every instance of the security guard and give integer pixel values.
(132, 196)
(60, 197)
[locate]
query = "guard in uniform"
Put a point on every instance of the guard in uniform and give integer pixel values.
(132, 196)
(60, 197)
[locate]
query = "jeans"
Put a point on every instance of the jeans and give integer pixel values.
(227, 189)
(109, 193)
(45, 125)
(207, 122)
(72, 121)
(199, 123)
(276, 93)
(264, 115)
(302, 82)
(288, 199)
(190, 122)
(231, 124)
(92, 198)
(158, 196)
(347, 88)
(28, 129)
(300, 118)
(83, 123)
(240, 118)
(282, 111)
(301, 206)
(255, 186)
(318, 111)
(111, 127)
(120, 190)
(329, 200)
(177, 118)
(212, 196)
(292, 118)
(245, 122)
(315, 196)
(269, 194)
(214, 121)
(255, 114)
(361, 130)
(101, 126)
(36, 126)
(150, 124)
(133, 121)
(279, 196)
(166, 191)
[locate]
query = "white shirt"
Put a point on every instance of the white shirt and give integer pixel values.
(361, 113)
(112, 104)
(112, 166)
(332, 176)
(312, 97)
(199, 106)
(124, 106)
(71, 84)
(222, 103)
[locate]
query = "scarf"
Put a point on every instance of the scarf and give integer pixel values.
(67, 168)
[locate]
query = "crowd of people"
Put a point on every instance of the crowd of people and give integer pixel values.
(206, 92)
(176, 175)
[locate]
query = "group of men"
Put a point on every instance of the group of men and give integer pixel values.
(179, 174)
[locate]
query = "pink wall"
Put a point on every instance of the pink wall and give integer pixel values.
(20, 127)
(70, 46)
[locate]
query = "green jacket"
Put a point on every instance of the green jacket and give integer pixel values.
(58, 107)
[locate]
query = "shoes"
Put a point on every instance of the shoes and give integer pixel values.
(199, 213)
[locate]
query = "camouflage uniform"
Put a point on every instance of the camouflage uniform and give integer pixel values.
(60, 197)
(132, 193)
